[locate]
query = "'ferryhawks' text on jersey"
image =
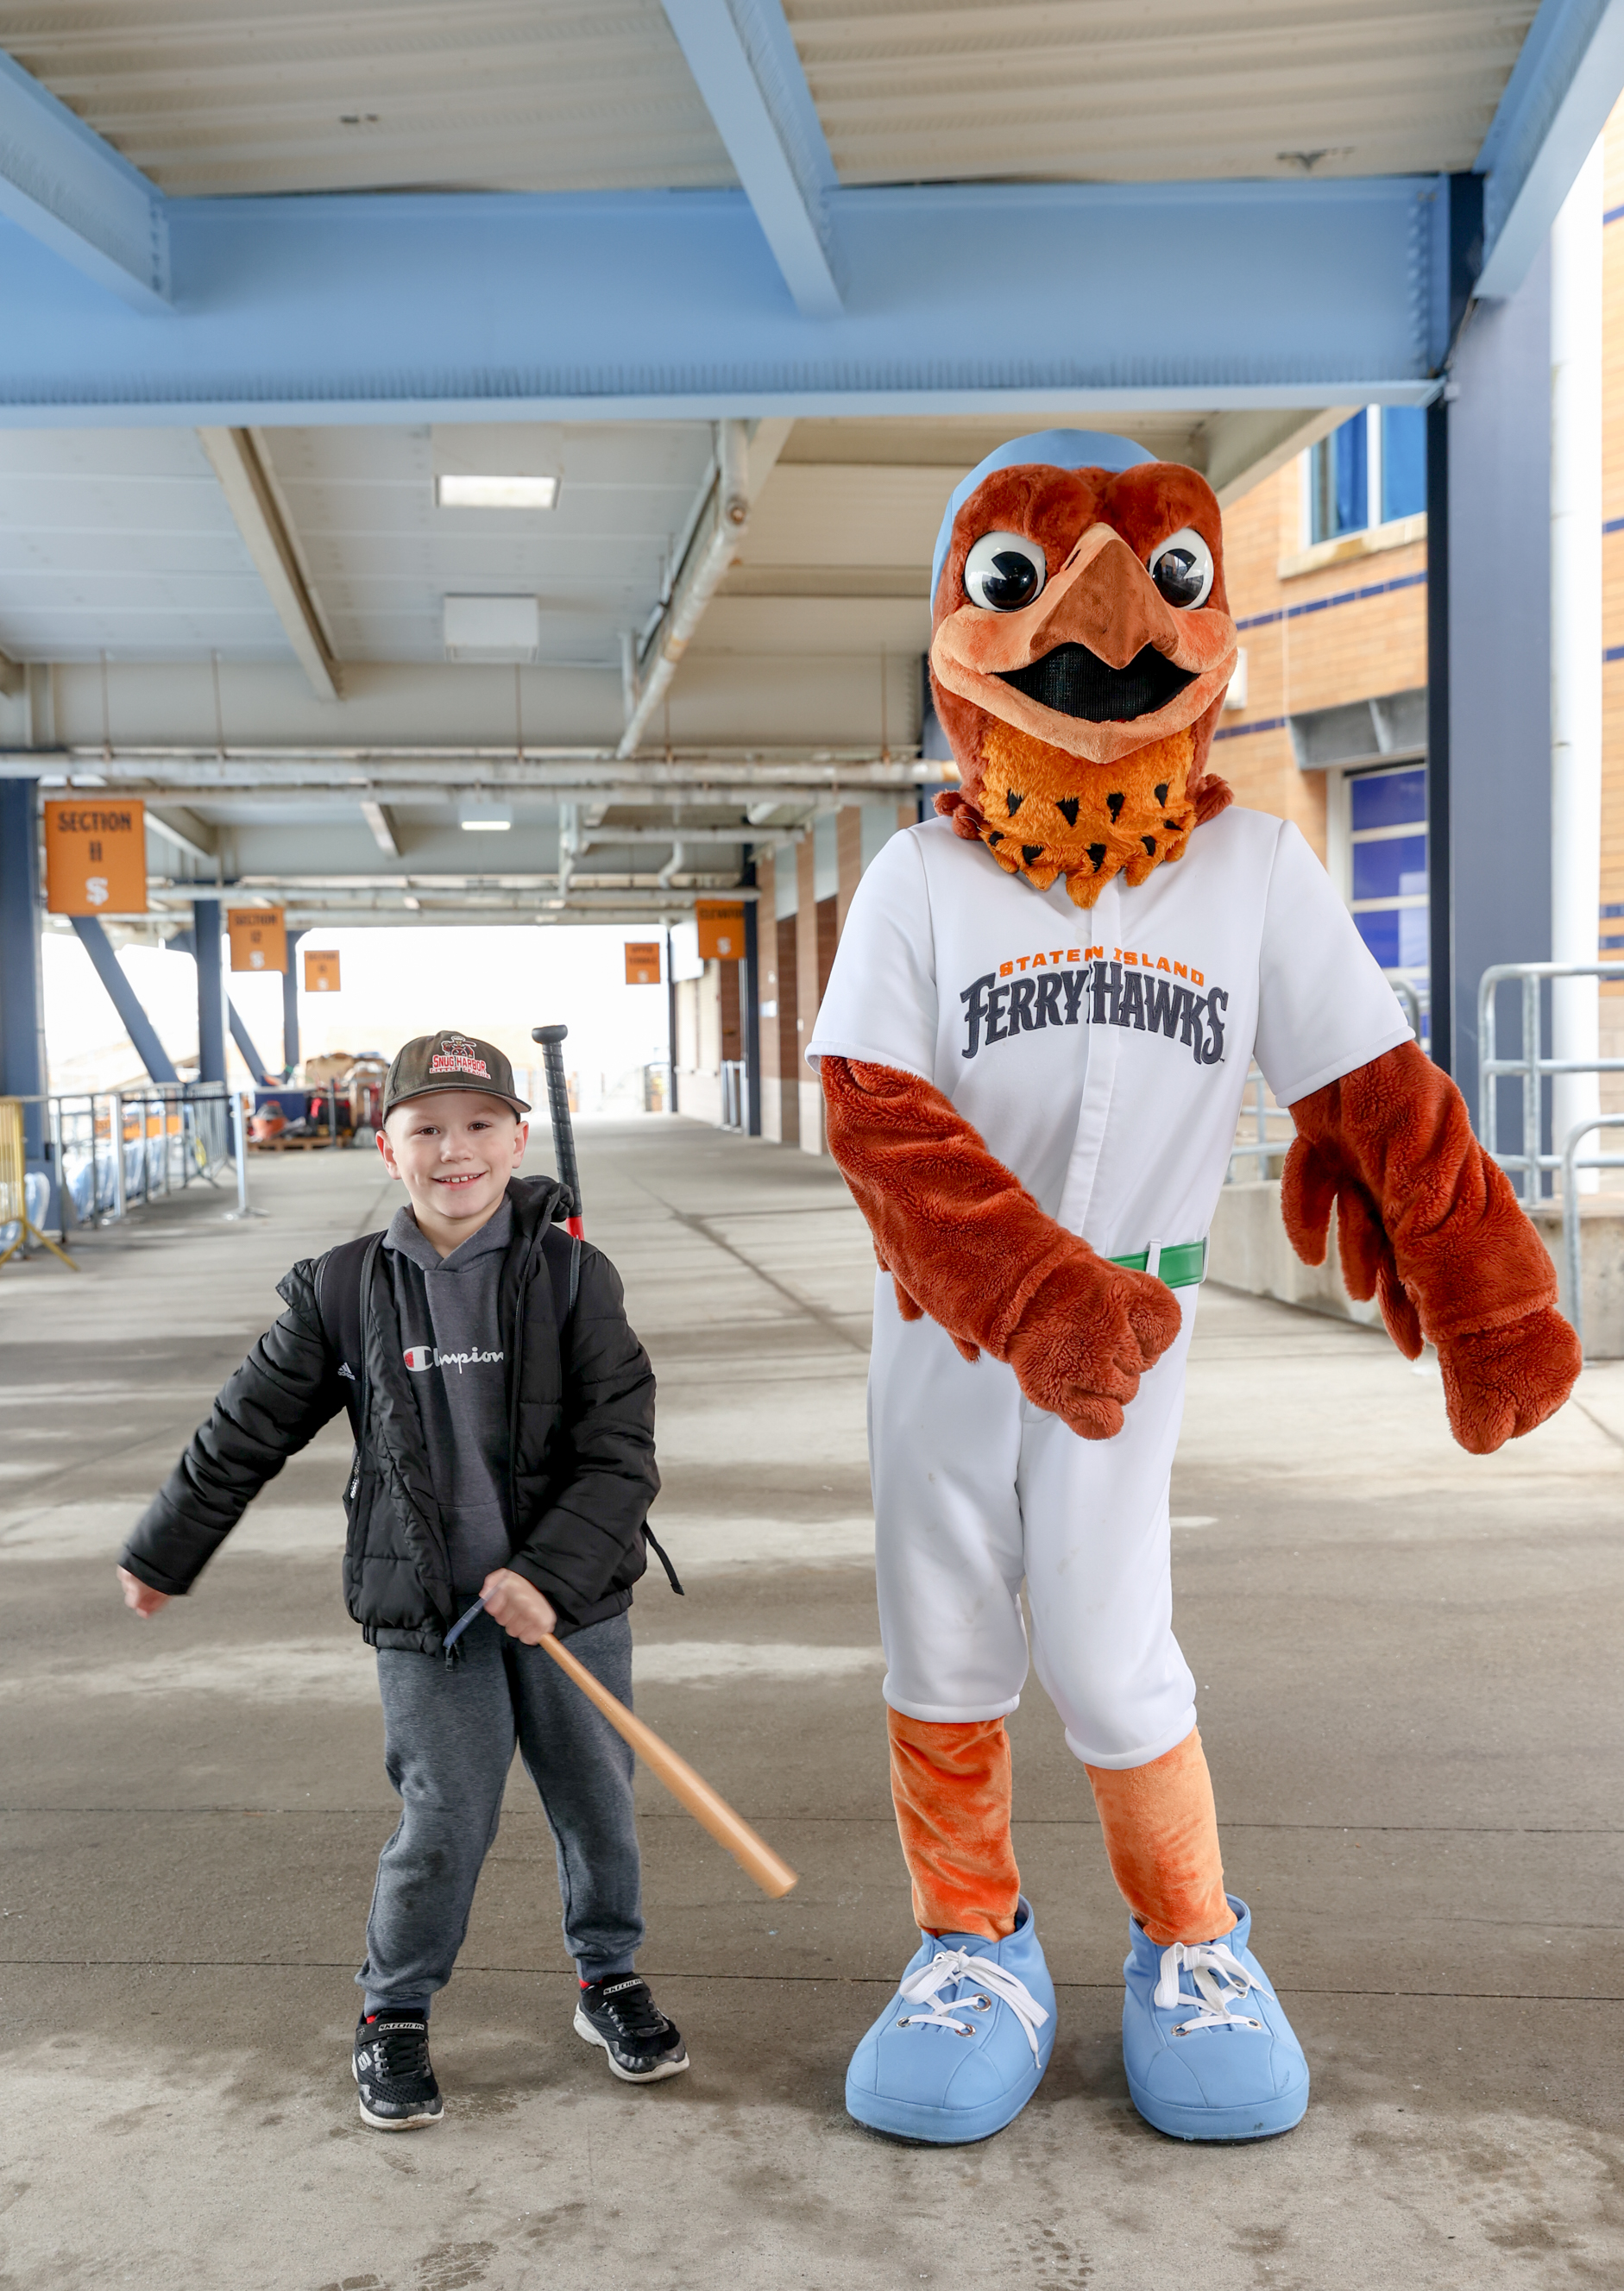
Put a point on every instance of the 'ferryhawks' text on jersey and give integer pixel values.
(1098, 994)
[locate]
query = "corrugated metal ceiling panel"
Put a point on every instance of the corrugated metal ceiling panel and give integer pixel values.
(1150, 89)
(220, 96)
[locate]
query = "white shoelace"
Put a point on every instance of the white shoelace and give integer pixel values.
(950, 1966)
(1221, 1981)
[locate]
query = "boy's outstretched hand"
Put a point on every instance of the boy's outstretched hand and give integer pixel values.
(516, 1605)
(140, 1597)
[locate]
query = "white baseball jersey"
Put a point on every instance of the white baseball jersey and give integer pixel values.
(1103, 1055)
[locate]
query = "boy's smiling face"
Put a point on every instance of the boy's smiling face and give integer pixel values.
(454, 1151)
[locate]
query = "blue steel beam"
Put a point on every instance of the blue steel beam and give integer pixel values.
(22, 1058)
(290, 1006)
(745, 66)
(125, 1000)
(1567, 78)
(243, 1040)
(211, 992)
(1003, 297)
(65, 187)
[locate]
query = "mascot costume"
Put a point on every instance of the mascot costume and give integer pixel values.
(1033, 1051)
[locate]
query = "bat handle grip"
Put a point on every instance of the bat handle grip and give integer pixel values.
(551, 1040)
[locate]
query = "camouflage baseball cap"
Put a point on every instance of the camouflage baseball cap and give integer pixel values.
(449, 1061)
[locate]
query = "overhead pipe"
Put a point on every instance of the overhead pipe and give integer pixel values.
(673, 865)
(174, 774)
(715, 545)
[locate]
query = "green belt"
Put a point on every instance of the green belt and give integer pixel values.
(1184, 1264)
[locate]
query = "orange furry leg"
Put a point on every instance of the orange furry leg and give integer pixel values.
(1160, 1828)
(949, 1785)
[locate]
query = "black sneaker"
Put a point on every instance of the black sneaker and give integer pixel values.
(392, 2072)
(620, 2014)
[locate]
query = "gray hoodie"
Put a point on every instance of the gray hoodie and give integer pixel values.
(452, 1330)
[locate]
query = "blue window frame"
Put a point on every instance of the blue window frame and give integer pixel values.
(1404, 460)
(1341, 480)
(1369, 471)
(1387, 842)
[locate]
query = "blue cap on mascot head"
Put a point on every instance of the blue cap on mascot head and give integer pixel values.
(1060, 449)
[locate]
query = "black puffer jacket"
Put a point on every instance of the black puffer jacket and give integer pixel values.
(581, 1444)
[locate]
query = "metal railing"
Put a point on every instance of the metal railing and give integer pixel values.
(1262, 1148)
(1573, 1286)
(1531, 1068)
(114, 1150)
(735, 1094)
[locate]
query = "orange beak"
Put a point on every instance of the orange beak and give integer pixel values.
(1099, 664)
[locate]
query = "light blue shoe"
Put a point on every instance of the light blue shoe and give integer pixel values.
(962, 2045)
(1215, 2058)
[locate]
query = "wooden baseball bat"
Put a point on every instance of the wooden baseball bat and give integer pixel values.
(753, 1855)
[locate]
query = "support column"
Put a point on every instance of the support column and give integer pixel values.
(1576, 647)
(1493, 815)
(770, 999)
(211, 992)
(750, 1009)
(131, 1015)
(671, 1022)
(22, 1031)
(245, 1042)
(290, 1006)
(809, 1096)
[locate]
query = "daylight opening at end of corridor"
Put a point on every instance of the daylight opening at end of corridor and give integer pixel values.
(811, 1146)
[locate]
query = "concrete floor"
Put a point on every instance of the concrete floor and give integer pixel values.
(1408, 1662)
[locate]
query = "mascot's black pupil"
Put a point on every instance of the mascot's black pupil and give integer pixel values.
(1010, 581)
(1178, 576)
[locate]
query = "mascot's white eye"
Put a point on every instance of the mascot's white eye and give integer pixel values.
(1004, 571)
(1181, 566)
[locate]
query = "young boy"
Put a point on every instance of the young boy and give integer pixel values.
(504, 1420)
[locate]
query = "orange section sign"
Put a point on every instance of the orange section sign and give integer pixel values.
(96, 855)
(259, 938)
(643, 962)
(721, 931)
(320, 970)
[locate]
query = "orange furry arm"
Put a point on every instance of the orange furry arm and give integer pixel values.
(965, 1243)
(1429, 1224)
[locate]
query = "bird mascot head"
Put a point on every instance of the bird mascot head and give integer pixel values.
(1081, 647)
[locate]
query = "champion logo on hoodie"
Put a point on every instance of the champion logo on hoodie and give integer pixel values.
(420, 1357)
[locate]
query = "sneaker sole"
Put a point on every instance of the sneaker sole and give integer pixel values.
(583, 2028)
(1265, 2121)
(393, 2123)
(920, 2123)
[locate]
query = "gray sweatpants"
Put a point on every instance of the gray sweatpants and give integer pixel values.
(449, 1732)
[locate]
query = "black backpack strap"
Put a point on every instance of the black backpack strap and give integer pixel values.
(562, 1251)
(659, 1551)
(338, 1300)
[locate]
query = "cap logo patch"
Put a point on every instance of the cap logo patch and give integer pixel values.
(455, 1056)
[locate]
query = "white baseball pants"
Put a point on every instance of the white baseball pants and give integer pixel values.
(976, 1489)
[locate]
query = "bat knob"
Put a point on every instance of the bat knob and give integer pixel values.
(548, 1033)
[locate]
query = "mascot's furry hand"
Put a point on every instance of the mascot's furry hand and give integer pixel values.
(964, 1241)
(1429, 1225)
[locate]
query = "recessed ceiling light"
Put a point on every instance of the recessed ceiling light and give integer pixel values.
(486, 818)
(463, 491)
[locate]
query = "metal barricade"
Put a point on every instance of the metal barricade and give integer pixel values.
(115, 1150)
(1532, 1069)
(1573, 1293)
(1262, 1149)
